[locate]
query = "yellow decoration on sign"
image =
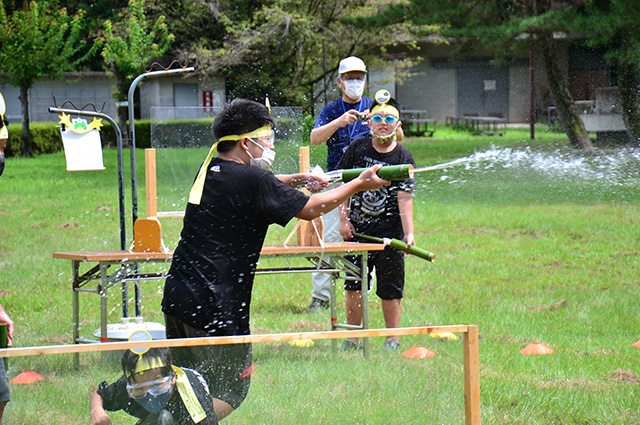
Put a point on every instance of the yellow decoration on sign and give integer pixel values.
(79, 125)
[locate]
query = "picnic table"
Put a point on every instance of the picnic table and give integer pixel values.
(416, 123)
(485, 125)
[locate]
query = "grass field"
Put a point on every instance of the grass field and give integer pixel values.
(534, 242)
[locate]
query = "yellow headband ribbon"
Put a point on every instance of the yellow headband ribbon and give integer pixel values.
(145, 363)
(195, 196)
(188, 396)
(260, 132)
(390, 110)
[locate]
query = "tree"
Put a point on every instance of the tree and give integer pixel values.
(280, 49)
(613, 24)
(37, 41)
(505, 28)
(129, 44)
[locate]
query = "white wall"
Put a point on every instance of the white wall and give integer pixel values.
(79, 88)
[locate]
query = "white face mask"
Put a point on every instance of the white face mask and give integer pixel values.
(385, 139)
(354, 88)
(266, 160)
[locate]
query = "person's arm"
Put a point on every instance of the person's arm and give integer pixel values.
(321, 134)
(5, 319)
(326, 201)
(313, 182)
(98, 415)
(405, 205)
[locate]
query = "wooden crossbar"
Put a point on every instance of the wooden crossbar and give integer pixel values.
(241, 339)
(470, 349)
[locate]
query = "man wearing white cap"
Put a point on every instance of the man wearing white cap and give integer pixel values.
(338, 124)
(342, 121)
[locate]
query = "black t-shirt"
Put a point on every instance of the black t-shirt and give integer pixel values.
(115, 397)
(211, 277)
(376, 212)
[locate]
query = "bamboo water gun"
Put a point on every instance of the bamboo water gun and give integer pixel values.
(389, 172)
(401, 245)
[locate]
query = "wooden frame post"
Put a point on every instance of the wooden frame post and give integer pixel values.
(471, 376)
(150, 182)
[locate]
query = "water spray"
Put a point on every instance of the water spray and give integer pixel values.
(401, 245)
(441, 166)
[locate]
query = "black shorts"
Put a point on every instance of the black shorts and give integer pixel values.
(4, 383)
(389, 265)
(226, 368)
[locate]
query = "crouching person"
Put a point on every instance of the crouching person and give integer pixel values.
(155, 391)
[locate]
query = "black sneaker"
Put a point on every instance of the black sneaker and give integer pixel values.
(349, 346)
(391, 346)
(317, 304)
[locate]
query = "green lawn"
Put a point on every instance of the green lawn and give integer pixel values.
(534, 242)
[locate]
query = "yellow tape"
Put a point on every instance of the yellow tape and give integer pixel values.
(146, 363)
(260, 132)
(390, 110)
(195, 196)
(188, 396)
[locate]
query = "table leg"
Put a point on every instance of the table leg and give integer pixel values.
(104, 268)
(334, 311)
(75, 265)
(364, 280)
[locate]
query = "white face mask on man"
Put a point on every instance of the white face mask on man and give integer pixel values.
(266, 160)
(353, 88)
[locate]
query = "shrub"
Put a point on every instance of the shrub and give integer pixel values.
(46, 137)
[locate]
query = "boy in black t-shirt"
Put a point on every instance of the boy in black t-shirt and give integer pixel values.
(233, 201)
(385, 213)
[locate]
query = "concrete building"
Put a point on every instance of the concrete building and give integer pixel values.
(439, 86)
(443, 88)
(83, 88)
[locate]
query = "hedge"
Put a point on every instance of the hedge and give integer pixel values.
(46, 137)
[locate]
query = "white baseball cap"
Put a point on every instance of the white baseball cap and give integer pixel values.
(351, 63)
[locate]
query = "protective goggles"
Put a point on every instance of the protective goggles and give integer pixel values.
(155, 387)
(389, 119)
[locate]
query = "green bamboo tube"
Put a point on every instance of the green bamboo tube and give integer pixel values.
(4, 341)
(390, 172)
(401, 245)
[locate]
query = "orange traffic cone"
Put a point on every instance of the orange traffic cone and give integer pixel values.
(418, 352)
(637, 344)
(536, 349)
(28, 377)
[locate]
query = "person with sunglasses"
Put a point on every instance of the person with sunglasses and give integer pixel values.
(155, 391)
(385, 213)
(338, 124)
